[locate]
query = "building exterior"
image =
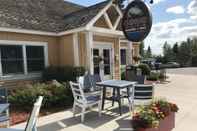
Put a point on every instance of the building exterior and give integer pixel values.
(38, 33)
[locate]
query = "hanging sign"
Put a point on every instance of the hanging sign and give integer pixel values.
(137, 21)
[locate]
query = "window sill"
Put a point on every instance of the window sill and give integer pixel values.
(30, 76)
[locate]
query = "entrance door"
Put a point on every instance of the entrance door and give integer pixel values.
(103, 61)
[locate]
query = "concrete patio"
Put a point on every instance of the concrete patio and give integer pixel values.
(180, 89)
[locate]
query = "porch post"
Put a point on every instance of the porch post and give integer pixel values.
(129, 53)
(89, 49)
(76, 49)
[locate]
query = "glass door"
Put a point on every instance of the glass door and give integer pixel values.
(107, 64)
(96, 61)
(103, 62)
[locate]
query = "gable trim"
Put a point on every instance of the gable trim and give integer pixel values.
(3, 29)
(92, 22)
(34, 32)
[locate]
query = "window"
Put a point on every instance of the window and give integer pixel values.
(11, 59)
(96, 61)
(21, 59)
(107, 66)
(123, 56)
(35, 58)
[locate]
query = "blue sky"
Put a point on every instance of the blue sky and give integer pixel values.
(173, 20)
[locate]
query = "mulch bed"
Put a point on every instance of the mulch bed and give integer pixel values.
(18, 116)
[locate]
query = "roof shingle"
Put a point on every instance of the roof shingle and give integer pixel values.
(46, 15)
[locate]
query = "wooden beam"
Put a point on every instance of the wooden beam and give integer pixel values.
(107, 19)
(117, 23)
(118, 10)
(92, 22)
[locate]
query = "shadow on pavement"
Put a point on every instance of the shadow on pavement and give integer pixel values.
(92, 120)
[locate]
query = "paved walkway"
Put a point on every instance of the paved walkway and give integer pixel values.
(181, 89)
(183, 71)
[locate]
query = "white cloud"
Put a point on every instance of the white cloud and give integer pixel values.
(192, 9)
(176, 10)
(172, 31)
(158, 1)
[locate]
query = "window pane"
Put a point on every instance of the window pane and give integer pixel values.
(106, 54)
(96, 61)
(11, 59)
(35, 58)
(123, 56)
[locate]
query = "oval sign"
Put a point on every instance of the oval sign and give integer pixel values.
(137, 21)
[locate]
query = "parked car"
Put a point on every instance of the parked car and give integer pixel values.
(150, 63)
(157, 65)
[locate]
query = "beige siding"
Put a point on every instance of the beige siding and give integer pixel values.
(66, 50)
(82, 49)
(101, 23)
(135, 49)
(53, 46)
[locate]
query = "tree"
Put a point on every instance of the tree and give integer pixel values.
(175, 48)
(168, 53)
(175, 51)
(120, 3)
(149, 52)
(142, 49)
(185, 54)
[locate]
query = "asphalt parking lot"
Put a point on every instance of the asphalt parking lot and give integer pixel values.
(183, 71)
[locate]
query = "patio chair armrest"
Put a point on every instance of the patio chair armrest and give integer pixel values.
(95, 93)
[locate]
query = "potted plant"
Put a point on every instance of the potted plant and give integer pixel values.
(159, 115)
(136, 58)
(98, 59)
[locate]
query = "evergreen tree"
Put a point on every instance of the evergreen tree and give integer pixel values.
(149, 52)
(175, 48)
(168, 53)
(185, 54)
(175, 51)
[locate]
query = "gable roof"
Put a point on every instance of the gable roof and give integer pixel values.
(42, 15)
(82, 17)
(46, 15)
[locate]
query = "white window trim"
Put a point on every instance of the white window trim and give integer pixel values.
(24, 44)
(110, 45)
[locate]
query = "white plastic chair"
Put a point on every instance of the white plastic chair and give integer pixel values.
(4, 116)
(31, 124)
(83, 101)
(141, 95)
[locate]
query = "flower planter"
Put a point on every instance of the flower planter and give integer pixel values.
(165, 125)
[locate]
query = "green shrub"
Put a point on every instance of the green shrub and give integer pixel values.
(67, 73)
(154, 76)
(145, 69)
(194, 61)
(53, 96)
(123, 75)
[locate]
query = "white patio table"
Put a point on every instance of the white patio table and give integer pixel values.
(117, 85)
